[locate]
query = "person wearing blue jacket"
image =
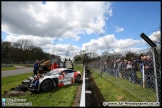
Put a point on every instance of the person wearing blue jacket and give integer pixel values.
(134, 70)
(142, 62)
(149, 73)
(36, 67)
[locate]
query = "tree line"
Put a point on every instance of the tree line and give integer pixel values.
(85, 57)
(23, 51)
(93, 56)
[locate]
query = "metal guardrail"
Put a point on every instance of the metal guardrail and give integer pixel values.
(82, 102)
(87, 95)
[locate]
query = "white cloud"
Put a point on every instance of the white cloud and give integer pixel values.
(98, 45)
(44, 43)
(65, 50)
(47, 45)
(155, 36)
(109, 42)
(44, 24)
(123, 51)
(119, 29)
(36, 19)
(72, 35)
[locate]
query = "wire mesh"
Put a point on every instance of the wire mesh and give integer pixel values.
(140, 75)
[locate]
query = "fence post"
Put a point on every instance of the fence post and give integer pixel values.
(143, 77)
(157, 75)
(156, 66)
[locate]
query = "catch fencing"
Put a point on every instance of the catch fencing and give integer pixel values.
(140, 76)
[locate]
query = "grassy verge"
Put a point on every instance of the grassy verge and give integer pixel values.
(12, 81)
(8, 68)
(120, 90)
(78, 67)
(60, 96)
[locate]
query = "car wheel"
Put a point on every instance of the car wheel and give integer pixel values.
(21, 88)
(77, 79)
(47, 85)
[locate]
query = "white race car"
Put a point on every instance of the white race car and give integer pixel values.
(47, 81)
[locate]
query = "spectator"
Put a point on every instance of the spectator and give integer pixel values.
(45, 68)
(149, 73)
(121, 70)
(54, 65)
(124, 68)
(134, 70)
(36, 67)
(143, 58)
(128, 71)
(119, 62)
(49, 66)
(139, 67)
(105, 65)
(115, 68)
(111, 67)
(141, 64)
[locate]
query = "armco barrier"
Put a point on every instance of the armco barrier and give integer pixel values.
(88, 92)
(87, 96)
(82, 102)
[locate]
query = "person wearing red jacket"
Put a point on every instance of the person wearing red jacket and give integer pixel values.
(54, 65)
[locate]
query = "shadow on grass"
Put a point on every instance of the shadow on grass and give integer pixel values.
(97, 97)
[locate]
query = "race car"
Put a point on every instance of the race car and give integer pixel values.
(54, 78)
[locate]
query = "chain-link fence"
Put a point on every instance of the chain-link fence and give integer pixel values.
(140, 75)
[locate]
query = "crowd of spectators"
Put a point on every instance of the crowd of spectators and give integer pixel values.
(128, 69)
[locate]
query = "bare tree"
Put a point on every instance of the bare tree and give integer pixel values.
(24, 45)
(23, 51)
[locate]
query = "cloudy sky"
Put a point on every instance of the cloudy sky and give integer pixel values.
(65, 28)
